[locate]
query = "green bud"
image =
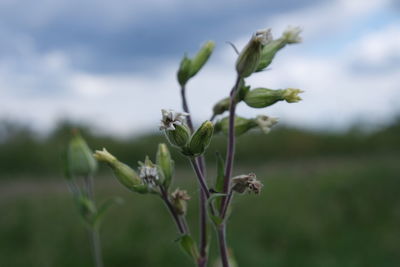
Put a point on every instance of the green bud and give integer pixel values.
(178, 137)
(249, 58)
(242, 125)
(125, 174)
(201, 58)
(179, 200)
(165, 164)
(289, 36)
(223, 105)
(184, 70)
(79, 157)
(201, 139)
(263, 97)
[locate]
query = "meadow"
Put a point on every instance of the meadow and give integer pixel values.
(329, 200)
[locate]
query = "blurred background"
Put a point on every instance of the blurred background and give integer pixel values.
(331, 168)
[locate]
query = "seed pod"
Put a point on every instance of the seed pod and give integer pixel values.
(178, 137)
(201, 139)
(201, 58)
(125, 174)
(79, 158)
(165, 164)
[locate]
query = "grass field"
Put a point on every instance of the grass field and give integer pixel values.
(317, 212)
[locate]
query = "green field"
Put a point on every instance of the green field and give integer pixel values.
(325, 211)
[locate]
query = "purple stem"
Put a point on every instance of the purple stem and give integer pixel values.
(199, 165)
(222, 245)
(228, 173)
(182, 227)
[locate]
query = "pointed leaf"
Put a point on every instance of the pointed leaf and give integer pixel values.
(189, 246)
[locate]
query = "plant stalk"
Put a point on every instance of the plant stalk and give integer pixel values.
(200, 165)
(96, 246)
(180, 223)
(230, 154)
(222, 245)
(94, 230)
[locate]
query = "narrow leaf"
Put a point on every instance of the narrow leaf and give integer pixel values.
(189, 246)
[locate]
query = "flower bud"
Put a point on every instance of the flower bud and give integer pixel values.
(165, 164)
(289, 36)
(221, 106)
(201, 139)
(178, 137)
(249, 58)
(184, 71)
(79, 157)
(246, 182)
(263, 97)
(125, 174)
(179, 200)
(201, 58)
(242, 125)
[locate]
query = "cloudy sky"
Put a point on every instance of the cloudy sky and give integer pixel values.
(113, 63)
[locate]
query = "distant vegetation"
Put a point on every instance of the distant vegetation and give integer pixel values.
(25, 152)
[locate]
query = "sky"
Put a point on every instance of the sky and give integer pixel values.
(113, 64)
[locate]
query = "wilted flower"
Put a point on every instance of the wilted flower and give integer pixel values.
(265, 123)
(179, 199)
(246, 182)
(264, 36)
(292, 35)
(171, 118)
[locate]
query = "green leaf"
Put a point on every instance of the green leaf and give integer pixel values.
(189, 246)
(217, 197)
(219, 181)
(104, 207)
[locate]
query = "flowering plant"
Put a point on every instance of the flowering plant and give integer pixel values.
(215, 198)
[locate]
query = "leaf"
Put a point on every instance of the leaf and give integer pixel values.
(104, 208)
(189, 246)
(217, 220)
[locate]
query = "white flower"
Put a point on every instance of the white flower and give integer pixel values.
(266, 123)
(292, 35)
(264, 36)
(170, 118)
(148, 174)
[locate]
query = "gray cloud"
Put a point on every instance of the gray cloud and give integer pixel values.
(121, 36)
